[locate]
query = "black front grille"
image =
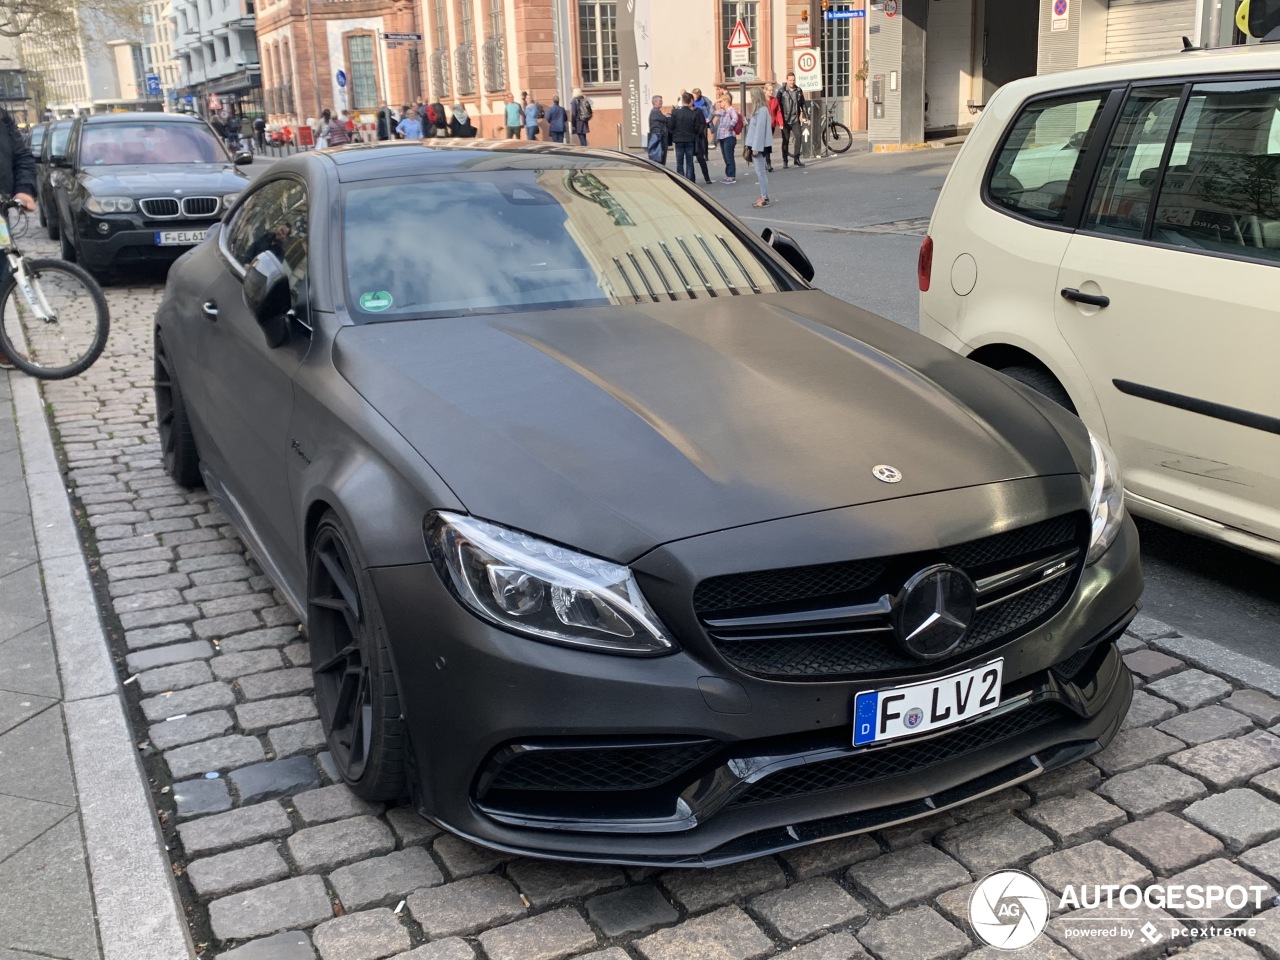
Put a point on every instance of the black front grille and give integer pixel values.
(779, 586)
(597, 769)
(896, 761)
(199, 206)
(782, 644)
(160, 207)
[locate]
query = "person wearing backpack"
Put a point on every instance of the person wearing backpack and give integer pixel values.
(728, 123)
(580, 116)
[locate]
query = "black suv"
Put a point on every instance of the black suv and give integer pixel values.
(137, 187)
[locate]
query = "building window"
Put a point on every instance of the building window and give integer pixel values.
(731, 11)
(598, 41)
(364, 83)
(440, 55)
(465, 55)
(495, 66)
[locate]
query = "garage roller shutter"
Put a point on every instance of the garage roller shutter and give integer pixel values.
(1147, 28)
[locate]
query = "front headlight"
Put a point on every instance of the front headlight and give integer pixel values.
(229, 199)
(1106, 498)
(109, 204)
(543, 590)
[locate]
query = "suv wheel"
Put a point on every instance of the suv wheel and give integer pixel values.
(1042, 382)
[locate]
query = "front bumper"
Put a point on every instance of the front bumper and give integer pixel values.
(130, 243)
(772, 765)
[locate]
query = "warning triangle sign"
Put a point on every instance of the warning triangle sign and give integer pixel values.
(739, 39)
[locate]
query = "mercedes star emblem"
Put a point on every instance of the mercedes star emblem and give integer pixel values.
(882, 471)
(934, 610)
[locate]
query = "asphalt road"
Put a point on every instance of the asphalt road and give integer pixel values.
(860, 218)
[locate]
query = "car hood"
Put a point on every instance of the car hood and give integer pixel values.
(165, 179)
(616, 429)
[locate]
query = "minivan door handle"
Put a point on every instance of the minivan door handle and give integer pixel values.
(1094, 300)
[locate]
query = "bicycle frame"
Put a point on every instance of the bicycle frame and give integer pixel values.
(18, 267)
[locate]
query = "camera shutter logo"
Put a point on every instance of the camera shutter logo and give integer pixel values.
(1008, 910)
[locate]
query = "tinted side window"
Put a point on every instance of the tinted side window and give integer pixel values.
(274, 219)
(1221, 192)
(1127, 180)
(1037, 169)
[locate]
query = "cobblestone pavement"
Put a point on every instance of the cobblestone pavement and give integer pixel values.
(277, 862)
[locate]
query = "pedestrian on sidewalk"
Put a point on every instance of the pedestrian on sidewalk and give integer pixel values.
(791, 102)
(513, 117)
(728, 125)
(260, 133)
(759, 138)
(580, 112)
(409, 127)
(532, 114)
(659, 132)
(775, 112)
(557, 119)
(688, 126)
(17, 179)
(702, 147)
(460, 125)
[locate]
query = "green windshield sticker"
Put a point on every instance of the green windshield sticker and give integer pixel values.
(375, 302)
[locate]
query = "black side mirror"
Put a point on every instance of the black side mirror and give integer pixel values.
(58, 160)
(242, 158)
(789, 251)
(267, 295)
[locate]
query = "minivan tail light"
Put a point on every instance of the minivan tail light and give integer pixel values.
(924, 266)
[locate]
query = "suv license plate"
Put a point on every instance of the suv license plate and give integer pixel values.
(179, 238)
(880, 715)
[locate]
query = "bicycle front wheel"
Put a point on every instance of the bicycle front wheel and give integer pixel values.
(73, 334)
(837, 137)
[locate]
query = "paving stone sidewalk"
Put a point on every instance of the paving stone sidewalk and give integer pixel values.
(279, 862)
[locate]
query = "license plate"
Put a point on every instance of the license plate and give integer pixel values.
(880, 715)
(179, 238)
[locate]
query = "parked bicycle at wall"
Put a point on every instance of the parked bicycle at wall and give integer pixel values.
(836, 137)
(53, 316)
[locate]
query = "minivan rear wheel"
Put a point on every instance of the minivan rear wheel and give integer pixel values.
(1041, 381)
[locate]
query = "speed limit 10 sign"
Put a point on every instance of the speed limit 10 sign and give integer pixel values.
(809, 70)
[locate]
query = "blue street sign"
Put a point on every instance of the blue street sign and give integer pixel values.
(153, 85)
(189, 98)
(844, 14)
(342, 78)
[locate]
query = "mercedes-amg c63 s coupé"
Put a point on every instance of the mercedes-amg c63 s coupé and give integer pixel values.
(613, 538)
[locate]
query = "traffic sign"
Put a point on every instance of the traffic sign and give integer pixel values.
(744, 74)
(1061, 19)
(802, 29)
(739, 57)
(890, 8)
(809, 70)
(844, 14)
(341, 77)
(153, 85)
(402, 36)
(189, 99)
(802, 41)
(739, 39)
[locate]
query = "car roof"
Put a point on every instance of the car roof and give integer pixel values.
(377, 161)
(1254, 58)
(136, 115)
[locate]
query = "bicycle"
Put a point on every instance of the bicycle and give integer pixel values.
(53, 316)
(836, 137)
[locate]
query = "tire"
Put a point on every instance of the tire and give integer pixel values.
(61, 348)
(44, 221)
(67, 249)
(837, 137)
(52, 227)
(1041, 381)
(355, 687)
(177, 443)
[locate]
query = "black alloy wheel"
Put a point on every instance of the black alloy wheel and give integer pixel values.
(177, 444)
(355, 689)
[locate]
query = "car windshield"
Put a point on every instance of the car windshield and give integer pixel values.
(109, 144)
(37, 139)
(530, 239)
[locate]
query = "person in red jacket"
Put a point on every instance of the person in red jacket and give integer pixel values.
(775, 111)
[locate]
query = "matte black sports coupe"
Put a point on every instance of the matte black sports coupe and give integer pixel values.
(614, 539)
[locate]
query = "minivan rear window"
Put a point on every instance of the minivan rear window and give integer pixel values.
(1036, 172)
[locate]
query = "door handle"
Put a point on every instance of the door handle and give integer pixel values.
(210, 310)
(1093, 300)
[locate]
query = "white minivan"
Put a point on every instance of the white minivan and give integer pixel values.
(1110, 236)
